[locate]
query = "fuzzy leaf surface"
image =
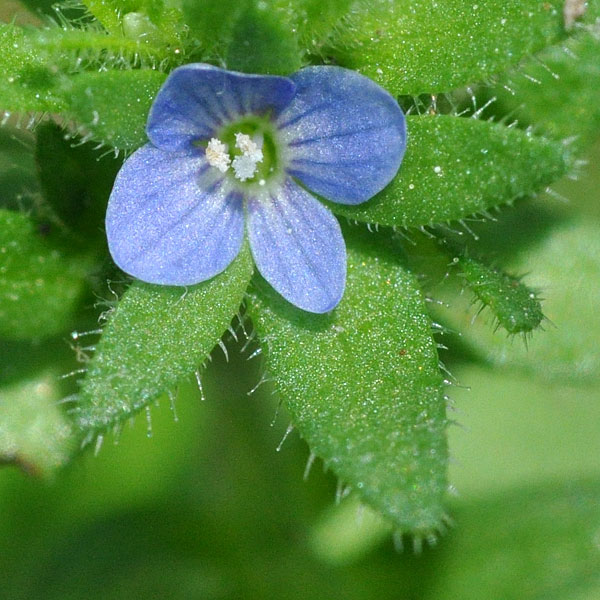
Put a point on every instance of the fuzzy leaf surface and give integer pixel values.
(152, 21)
(27, 82)
(564, 266)
(455, 167)
(157, 336)
(429, 47)
(112, 106)
(40, 283)
(560, 94)
(362, 384)
(514, 305)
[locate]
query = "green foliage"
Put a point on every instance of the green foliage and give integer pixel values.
(248, 36)
(41, 284)
(157, 336)
(455, 167)
(34, 432)
(27, 82)
(112, 107)
(362, 384)
(429, 47)
(560, 93)
(514, 305)
(565, 267)
(262, 44)
(151, 21)
(363, 387)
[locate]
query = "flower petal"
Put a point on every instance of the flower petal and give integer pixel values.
(171, 220)
(298, 247)
(346, 135)
(197, 99)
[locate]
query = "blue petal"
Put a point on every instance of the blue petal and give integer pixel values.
(196, 100)
(298, 247)
(346, 135)
(171, 220)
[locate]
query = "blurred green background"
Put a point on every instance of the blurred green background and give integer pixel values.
(206, 507)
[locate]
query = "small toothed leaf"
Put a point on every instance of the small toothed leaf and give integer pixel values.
(455, 167)
(564, 266)
(34, 432)
(157, 336)
(112, 107)
(514, 305)
(362, 384)
(40, 284)
(429, 47)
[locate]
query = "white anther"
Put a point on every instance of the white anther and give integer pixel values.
(244, 167)
(248, 147)
(217, 156)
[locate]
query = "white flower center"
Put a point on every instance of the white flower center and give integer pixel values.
(244, 165)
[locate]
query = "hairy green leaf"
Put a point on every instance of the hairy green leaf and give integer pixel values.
(428, 47)
(155, 22)
(112, 106)
(514, 305)
(455, 167)
(157, 336)
(362, 385)
(560, 93)
(40, 284)
(564, 265)
(28, 84)
(34, 432)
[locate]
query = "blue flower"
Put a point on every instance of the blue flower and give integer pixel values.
(228, 147)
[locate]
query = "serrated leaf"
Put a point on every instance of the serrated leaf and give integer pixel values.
(34, 432)
(27, 82)
(362, 384)
(560, 93)
(565, 268)
(514, 305)
(496, 551)
(455, 167)
(112, 106)
(429, 47)
(40, 283)
(75, 182)
(157, 336)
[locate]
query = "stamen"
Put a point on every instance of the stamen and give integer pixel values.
(217, 156)
(244, 166)
(248, 147)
